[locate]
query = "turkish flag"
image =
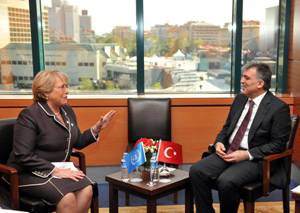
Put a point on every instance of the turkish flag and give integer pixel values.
(169, 152)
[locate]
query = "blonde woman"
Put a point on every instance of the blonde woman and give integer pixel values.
(46, 132)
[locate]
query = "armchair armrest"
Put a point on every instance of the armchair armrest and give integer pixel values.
(13, 176)
(267, 167)
(7, 169)
(81, 160)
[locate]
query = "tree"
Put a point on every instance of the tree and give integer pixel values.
(86, 84)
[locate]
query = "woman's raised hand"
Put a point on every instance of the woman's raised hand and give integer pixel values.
(103, 121)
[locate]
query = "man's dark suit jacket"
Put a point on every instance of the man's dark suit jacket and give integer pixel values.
(268, 133)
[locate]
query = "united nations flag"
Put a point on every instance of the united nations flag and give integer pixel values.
(135, 158)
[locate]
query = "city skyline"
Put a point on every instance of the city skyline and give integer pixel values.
(104, 20)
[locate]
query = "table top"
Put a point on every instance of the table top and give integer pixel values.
(296, 192)
(296, 195)
(179, 178)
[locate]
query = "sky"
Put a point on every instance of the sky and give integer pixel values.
(109, 13)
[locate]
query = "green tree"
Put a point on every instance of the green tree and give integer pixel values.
(156, 85)
(127, 42)
(86, 84)
(109, 85)
(106, 38)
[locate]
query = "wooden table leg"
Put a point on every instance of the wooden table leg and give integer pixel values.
(151, 205)
(189, 203)
(297, 206)
(113, 199)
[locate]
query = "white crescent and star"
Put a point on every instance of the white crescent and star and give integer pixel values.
(166, 152)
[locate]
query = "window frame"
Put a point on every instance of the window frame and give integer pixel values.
(237, 19)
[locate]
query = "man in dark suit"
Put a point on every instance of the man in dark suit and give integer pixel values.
(257, 125)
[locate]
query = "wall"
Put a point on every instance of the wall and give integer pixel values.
(294, 66)
(195, 123)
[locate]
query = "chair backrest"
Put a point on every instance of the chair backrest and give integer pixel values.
(6, 138)
(150, 118)
(294, 127)
(288, 161)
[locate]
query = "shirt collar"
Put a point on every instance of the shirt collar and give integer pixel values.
(258, 99)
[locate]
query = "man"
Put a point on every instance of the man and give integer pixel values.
(258, 124)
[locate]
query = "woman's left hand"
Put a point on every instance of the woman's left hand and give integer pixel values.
(68, 173)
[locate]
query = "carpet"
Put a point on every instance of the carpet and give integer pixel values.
(168, 200)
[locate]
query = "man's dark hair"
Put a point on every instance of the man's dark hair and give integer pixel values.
(263, 72)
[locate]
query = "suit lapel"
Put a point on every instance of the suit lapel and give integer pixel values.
(259, 116)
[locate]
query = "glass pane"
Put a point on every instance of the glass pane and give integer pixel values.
(260, 33)
(93, 42)
(15, 47)
(187, 46)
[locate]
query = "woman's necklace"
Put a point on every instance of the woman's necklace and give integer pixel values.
(57, 114)
(59, 117)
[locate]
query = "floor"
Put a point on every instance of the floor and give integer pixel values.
(261, 207)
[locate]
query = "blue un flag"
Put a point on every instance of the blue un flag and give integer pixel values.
(135, 158)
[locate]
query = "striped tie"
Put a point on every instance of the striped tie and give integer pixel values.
(235, 144)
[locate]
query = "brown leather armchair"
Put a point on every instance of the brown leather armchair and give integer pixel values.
(252, 191)
(10, 194)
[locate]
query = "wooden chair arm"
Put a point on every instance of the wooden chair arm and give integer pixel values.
(267, 168)
(81, 160)
(279, 155)
(13, 176)
(7, 169)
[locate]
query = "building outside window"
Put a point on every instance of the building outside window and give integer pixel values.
(96, 40)
(15, 46)
(260, 34)
(187, 47)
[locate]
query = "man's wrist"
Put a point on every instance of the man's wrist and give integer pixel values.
(249, 155)
(217, 143)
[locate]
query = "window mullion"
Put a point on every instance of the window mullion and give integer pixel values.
(282, 59)
(36, 36)
(140, 47)
(237, 22)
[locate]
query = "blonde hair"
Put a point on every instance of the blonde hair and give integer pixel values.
(44, 83)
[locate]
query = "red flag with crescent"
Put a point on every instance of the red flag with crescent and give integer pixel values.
(169, 152)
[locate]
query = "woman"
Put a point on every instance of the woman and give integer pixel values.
(46, 132)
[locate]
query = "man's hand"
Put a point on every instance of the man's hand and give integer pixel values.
(236, 156)
(220, 149)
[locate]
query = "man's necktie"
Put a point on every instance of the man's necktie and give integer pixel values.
(235, 144)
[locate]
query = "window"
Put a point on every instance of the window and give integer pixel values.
(183, 46)
(14, 50)
(260, 33)
(97, 45)
(187, 46)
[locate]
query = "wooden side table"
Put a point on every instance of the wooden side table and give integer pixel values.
(296, 196)
(179, 180)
